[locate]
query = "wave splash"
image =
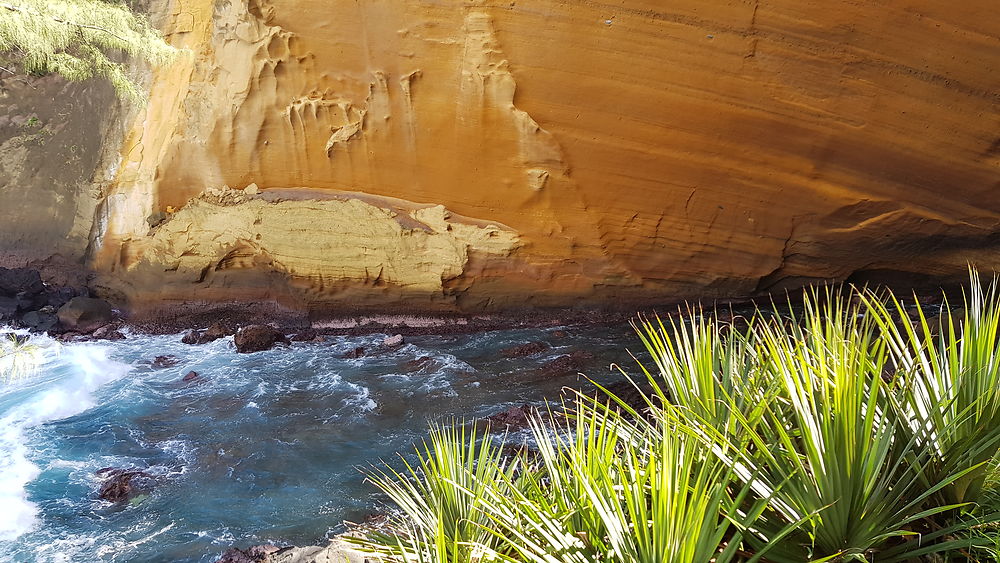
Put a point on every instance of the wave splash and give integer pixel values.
(69, 378)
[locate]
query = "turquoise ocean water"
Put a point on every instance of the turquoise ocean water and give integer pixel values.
(260, 448)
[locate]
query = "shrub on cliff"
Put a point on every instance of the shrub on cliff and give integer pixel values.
(842, 431)
(77, 39)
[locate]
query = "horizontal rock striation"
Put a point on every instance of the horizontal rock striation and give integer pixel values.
(470, 155)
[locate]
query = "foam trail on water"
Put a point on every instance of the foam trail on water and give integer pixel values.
(79, 372)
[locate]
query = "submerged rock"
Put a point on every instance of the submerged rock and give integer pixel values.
(85, 314)
(122, 485)
(356, 353)
(514, 418)
(522, 350)
(257, 338)
(419, 363)
(165, 361)
(191, 376)
(566, 364)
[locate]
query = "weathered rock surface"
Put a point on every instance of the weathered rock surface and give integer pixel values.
(476, 155)
(257, 338)
(472, 155)
(338, 551)
(55, 136)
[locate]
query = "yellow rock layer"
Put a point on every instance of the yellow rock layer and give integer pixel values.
(629, 150)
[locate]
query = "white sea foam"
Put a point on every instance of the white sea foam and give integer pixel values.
(80, 370)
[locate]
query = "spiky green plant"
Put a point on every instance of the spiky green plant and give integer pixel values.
(440, 498)
(951, 365)
(77, 39)
(708, 369)
(840, 446)
(814, 406)
(613, 487)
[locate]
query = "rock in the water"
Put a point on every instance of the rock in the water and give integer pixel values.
(84, 314)
(190, 376)
(356, 353)
(165, 361)
(121, 485)
(257, 338)
(23, 281)
(216, 331)
(108, 332)
(522, 350)
(306, 335)
(36, 321)
(419, 363)
(211, 334)
(514, 417)
(567, 363)
(393, 341)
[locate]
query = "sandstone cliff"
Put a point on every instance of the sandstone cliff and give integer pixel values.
(469, 154)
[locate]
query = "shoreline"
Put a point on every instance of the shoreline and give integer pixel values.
(188, 316)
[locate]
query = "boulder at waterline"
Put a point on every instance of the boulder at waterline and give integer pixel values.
(393, 341)
(257, 338)
(85, 314)
(37, 321)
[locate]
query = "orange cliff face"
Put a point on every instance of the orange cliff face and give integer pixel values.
(470, 155)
